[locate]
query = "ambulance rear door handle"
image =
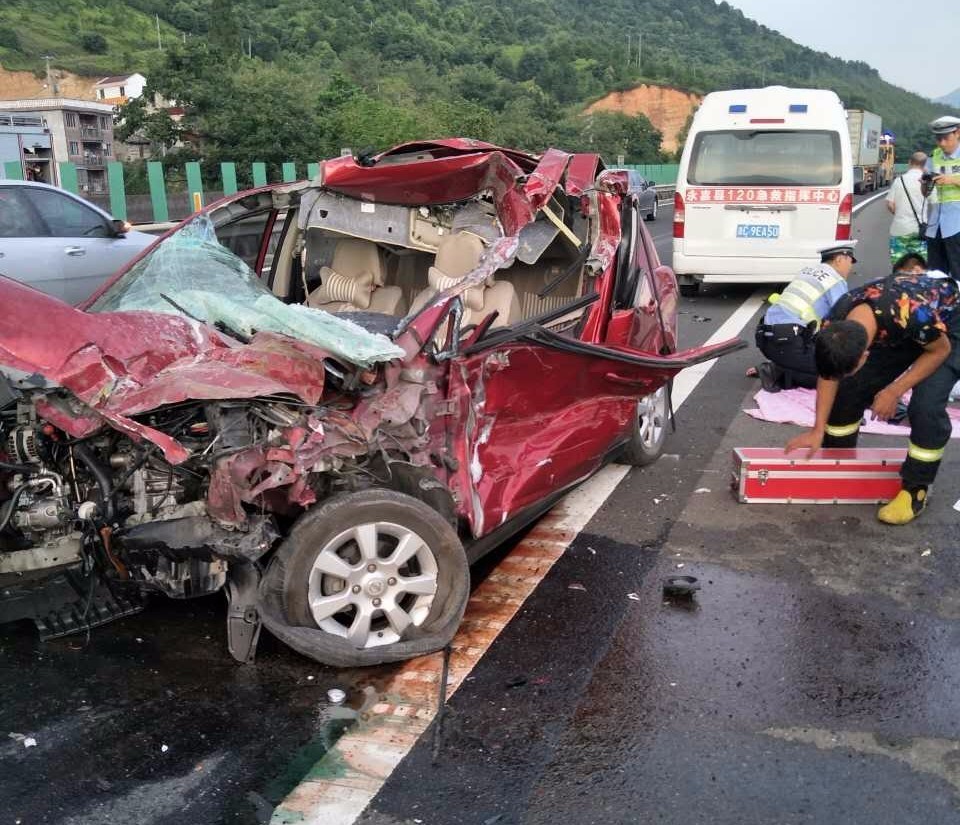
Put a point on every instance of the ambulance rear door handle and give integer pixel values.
(760, 207)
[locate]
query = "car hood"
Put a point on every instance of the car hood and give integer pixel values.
(120, 364)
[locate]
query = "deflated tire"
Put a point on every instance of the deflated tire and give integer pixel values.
(366, 578)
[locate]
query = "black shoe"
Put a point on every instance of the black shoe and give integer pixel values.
(769, 376)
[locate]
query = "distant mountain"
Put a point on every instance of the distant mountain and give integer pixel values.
(952, 99)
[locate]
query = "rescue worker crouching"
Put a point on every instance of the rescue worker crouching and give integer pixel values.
(786, 333)
(880, 340)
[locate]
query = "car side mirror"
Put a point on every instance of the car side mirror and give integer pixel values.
(120, 228)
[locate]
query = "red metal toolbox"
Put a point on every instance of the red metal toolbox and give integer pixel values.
(847, 476)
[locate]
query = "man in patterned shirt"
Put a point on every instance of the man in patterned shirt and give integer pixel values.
(882, 339)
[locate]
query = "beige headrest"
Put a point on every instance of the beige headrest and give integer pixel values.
(440, 281)
(459, 254)
(337, 288)
(352, 257)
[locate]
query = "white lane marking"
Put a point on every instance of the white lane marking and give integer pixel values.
(868, 201)
(363, 759)
(686, 382)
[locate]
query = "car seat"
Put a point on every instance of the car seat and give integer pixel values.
(457, 256)
(354, 282)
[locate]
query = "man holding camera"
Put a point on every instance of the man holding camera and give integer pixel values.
(942, 176)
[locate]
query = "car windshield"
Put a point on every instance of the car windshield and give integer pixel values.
(192, 274)
(759, 158)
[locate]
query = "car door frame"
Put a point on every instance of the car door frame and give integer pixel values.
(39, 250)
(85, 262)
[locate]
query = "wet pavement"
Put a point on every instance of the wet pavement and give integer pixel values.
(815, 678)
(151, 721)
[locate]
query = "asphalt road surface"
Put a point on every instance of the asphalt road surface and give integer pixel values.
(815, 678)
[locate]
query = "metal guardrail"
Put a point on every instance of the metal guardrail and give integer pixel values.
(665, 192)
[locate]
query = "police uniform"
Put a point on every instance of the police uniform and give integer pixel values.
(786, 333)
(943, 220)
(911, 312)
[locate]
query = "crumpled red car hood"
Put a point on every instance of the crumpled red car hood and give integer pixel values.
(124, 363)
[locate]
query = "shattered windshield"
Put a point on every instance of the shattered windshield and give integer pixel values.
(191, 274)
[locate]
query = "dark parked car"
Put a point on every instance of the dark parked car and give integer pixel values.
(646, 192)
(428, 349)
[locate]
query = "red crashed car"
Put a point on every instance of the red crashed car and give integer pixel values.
(329, 398)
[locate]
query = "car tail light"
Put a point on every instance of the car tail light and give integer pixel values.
(679, 215)
(843, 218)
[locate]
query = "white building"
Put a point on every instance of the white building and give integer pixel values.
(80, 132)
(118, 89)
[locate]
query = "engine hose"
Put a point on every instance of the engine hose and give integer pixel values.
(99, 472)
(11, 506)
(24, 469)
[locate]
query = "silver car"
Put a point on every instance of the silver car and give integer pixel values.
(646, 192)
(59, 243)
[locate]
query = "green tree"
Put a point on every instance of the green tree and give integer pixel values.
(224, 32)
(94, 43)
(9, 39)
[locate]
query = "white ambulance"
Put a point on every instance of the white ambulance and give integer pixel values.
(765, 180)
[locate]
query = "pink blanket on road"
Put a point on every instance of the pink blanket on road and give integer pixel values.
(798, 406)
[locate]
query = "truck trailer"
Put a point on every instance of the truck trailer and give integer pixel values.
(872, 154)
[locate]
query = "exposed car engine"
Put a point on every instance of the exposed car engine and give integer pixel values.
(110, 517)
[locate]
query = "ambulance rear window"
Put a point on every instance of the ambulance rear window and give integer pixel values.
(765, 158)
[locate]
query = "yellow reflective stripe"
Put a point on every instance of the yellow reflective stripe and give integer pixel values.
(798, 306)
(812, 292)
(923, 454)
(843, 429)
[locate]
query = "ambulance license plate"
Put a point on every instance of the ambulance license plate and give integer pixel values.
(758, 230)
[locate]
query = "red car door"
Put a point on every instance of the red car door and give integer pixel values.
(643, 313)
(530, 419)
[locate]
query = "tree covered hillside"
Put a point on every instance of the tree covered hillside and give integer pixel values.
(301, 78)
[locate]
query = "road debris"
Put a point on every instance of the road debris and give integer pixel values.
(28, 741)
(680, 586)
(164, 748)
(926, 552)
(702, 490)
(633, 596)
(576, 586)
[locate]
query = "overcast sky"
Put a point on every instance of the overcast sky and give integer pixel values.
(910, 51)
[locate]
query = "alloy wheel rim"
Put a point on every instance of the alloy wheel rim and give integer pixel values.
(652, 414)
(372, 582)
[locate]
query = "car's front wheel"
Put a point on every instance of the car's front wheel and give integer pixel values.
(370, 577)
(650, 429)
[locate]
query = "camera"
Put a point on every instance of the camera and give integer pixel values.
(927, 177)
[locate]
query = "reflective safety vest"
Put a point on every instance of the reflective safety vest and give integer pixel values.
(942, 165)
(806, 296)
